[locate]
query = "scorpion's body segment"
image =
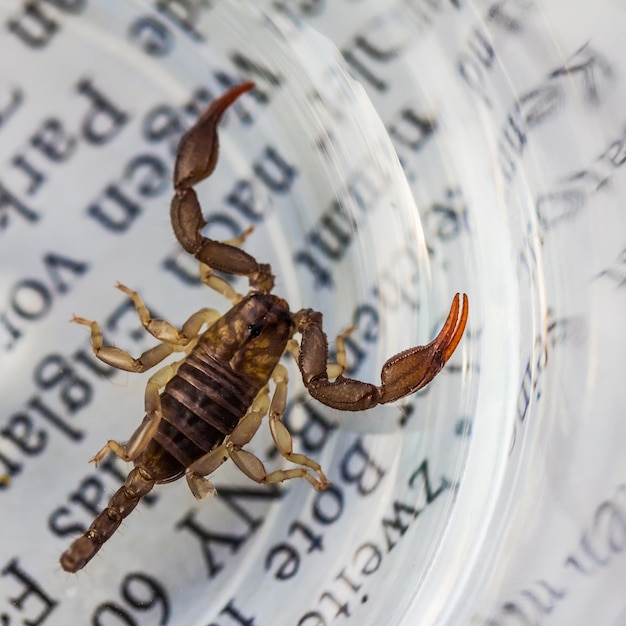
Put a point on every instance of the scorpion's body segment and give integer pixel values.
(214, 387)
(205, 408)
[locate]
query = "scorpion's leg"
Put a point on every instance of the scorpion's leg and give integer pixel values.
(252, 466)
(247, 462)
(163, 330)
(119, 358)
(144, 433)
(401, 375)
(172, 339)
(242, 434)
(282, 437)
(195, 160)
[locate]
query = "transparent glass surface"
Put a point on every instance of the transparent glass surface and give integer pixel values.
(391, 155)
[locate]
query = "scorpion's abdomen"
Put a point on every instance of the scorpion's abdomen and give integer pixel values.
(202, 404)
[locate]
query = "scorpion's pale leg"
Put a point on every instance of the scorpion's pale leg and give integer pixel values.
(163, 330)
(247, 462)
(254, 469)
(191, 328)
(241, 435)
(293, 347)
(144, 433)
(120, 359)
(282, 437)
(239, 241)
(153, 356)
(337, 369)
(218, 284)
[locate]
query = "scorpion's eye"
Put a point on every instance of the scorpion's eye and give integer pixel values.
(255, 329)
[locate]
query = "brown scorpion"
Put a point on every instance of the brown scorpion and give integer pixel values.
(203, 409)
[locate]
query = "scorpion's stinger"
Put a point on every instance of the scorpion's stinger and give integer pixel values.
(195, 161)
(199, 146)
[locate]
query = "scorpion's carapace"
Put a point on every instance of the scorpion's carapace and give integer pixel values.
(205, 408)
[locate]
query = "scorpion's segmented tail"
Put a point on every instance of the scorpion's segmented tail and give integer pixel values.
(138, 484)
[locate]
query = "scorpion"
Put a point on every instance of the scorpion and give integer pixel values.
(203, 409)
